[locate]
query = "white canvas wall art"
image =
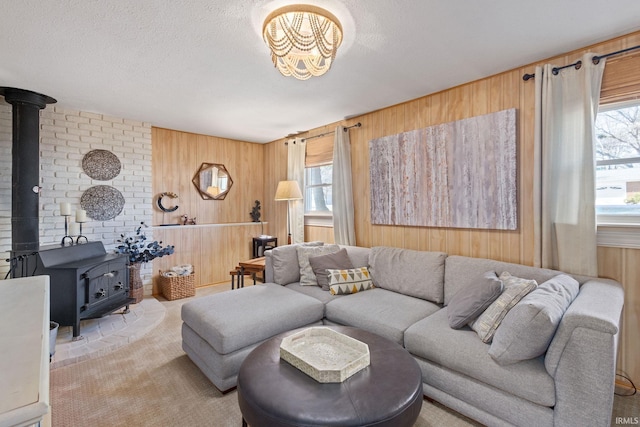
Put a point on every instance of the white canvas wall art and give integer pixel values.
(460, 174)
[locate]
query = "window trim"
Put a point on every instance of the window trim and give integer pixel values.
(318, 219)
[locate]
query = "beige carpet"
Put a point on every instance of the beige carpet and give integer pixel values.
(151, 382)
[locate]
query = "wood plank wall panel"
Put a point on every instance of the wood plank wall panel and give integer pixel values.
(213, 251)
(622, 265)
(322, 234)
(275, 154)
(495, 93)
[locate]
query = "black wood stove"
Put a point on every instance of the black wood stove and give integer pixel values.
(85, 282)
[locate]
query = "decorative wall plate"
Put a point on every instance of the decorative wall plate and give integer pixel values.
(102, 202)
(102, 165)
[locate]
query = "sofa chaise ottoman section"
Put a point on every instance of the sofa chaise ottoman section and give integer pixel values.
(221, 369)
(231, 321)
(460, 351)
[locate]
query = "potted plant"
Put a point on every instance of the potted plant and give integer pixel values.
(140, 251)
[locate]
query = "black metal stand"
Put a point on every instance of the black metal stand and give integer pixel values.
(81, 237)
(66, 232)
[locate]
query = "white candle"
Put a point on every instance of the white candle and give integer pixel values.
(81, 215)
(74, 229)
(65, 209)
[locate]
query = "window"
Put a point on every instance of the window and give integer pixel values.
(618, 164)
(317, 195)
(318, 176)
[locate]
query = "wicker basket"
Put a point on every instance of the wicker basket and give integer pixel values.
(177, 287)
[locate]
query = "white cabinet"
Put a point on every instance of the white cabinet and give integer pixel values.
(24, 350)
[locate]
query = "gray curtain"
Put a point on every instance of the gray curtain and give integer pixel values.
(344, 232)
(566, 108)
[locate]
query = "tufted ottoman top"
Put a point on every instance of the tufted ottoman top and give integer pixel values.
(388, 392)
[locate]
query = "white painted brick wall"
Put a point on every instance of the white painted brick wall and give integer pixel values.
(5, 185)
(65, 137)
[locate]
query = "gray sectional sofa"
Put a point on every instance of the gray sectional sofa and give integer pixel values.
(570, 383)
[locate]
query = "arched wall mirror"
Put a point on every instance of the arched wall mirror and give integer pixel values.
(212, 181)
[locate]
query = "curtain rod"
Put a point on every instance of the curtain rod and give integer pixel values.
(596, 59)
(357, 125)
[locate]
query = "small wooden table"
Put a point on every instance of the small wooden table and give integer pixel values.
(253, 266)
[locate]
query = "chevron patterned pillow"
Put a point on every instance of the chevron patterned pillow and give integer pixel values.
(349, 281)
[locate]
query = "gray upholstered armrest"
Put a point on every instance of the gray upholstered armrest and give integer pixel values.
(582, 355)
(268, 267)
(597, 307)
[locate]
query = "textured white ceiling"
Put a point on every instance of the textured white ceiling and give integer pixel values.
(201, 65)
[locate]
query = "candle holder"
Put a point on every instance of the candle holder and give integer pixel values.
(66, 240)
(81, 239)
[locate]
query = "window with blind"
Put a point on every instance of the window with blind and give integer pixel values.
(318, 181)
(618, 154)
(618, 142)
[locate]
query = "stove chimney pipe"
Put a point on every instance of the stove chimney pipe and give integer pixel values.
(25, 153)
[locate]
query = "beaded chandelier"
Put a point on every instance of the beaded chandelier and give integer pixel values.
(303, 40)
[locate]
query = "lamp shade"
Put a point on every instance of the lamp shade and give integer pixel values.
(288, 190)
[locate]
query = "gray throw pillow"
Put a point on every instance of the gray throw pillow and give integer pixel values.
(285, 263)
(515, 289)
(307, 277)
(469, 303)
(529, 327)
(319, 264)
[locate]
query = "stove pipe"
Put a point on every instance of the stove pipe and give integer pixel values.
(25, 153)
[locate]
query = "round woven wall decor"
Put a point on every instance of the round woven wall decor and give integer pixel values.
(102, 165)
(102, 202)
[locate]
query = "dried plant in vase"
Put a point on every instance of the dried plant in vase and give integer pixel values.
(140, 251)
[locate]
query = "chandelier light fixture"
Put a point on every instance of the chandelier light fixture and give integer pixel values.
(303, 40)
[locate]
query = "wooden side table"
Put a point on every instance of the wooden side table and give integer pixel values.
(253, 266)
(263, 243)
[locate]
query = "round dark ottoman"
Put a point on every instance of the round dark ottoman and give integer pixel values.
(388, 392)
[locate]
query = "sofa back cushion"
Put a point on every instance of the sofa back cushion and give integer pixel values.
(359, 255)
(418, 274)
(462, 272)
(285, 263)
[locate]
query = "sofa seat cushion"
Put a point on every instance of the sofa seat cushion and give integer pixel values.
(462, 351)
(231, 320)
(313, 291)
(380, 311)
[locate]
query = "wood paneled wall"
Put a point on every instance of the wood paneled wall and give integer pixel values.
(215, 250)
(623, 265)
(495, 93)
(322, 234)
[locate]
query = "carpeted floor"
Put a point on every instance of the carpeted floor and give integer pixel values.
(151, 382)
